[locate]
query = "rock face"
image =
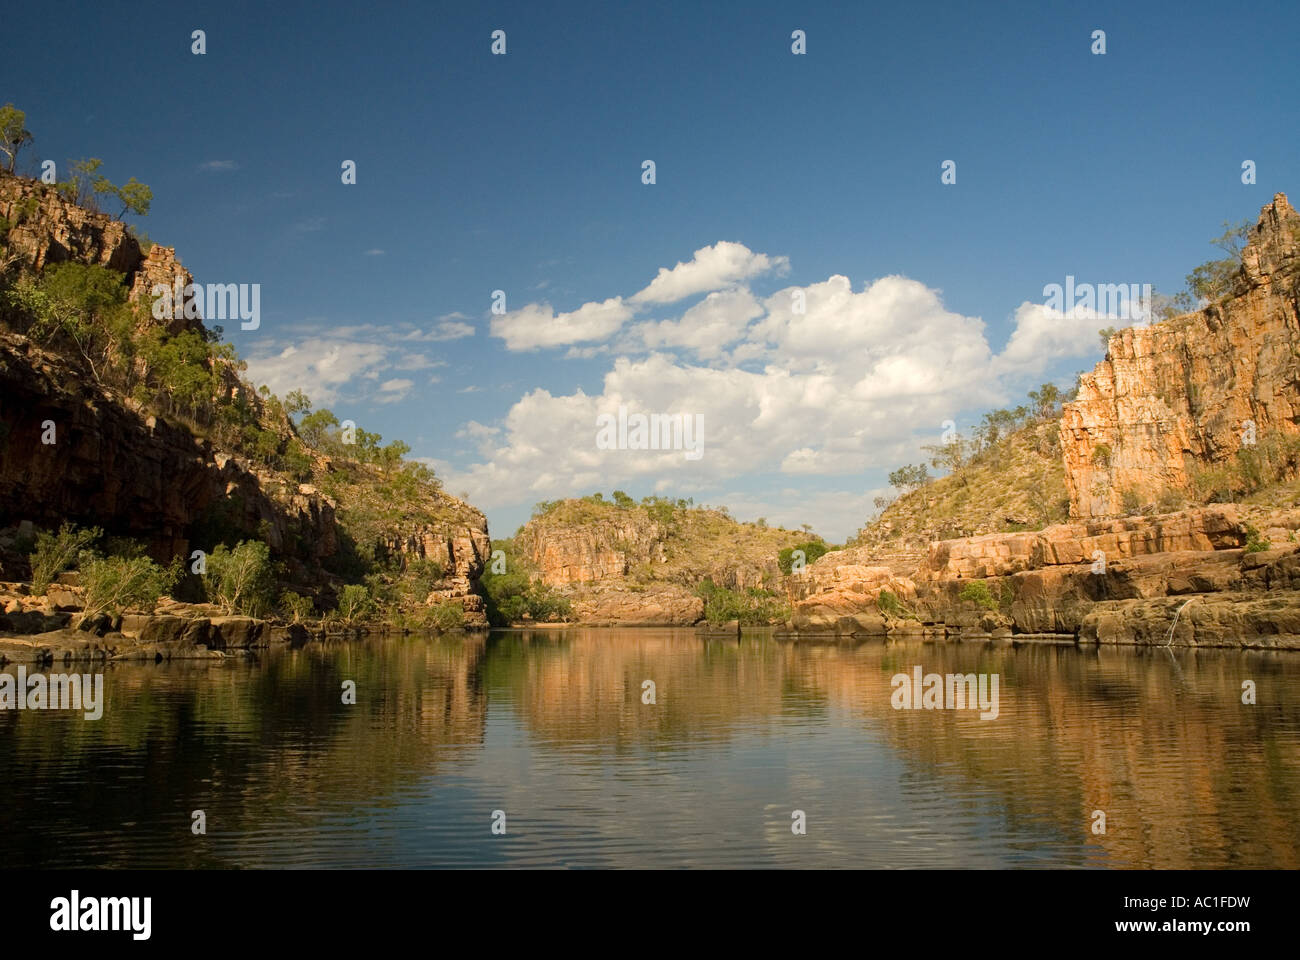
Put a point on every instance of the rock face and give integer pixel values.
(129, 473)
(74, 450)
(1186, 394)
(1118, 581)
(634, 564)
(46, 229)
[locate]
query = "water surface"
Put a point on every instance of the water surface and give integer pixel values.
(549, 727)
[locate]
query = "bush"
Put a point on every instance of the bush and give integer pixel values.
(1255, 542)
(295, 607)
(56, 552)
(978, 591)
(1129, 502)
(447, 615)
(114, 584)
(241, 580)
(888, 603)
(354, 603)
(813, 549)
(751, 607)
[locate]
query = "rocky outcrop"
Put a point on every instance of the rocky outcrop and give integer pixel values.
(641, 564)
(135, 475)
(45, 229)
(1185, 395)
(1118, 581)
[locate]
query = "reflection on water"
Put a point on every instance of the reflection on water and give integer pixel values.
(550, 727)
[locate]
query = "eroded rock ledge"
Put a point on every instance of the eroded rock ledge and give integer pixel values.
(1119, 581)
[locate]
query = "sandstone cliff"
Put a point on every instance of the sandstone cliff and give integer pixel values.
(118, 462)
(1179, 398)
(642, 563)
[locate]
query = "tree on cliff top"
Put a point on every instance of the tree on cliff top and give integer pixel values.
(13, 133)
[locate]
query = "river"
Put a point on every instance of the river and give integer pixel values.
(545, 736)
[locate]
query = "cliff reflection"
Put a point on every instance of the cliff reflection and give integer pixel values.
(552, 724)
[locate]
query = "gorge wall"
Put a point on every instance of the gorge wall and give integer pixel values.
(116, 465)
(1174, 398)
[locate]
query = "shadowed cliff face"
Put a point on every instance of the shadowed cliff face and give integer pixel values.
(116, 465)
(1187, 394)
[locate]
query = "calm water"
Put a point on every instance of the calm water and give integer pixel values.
(549, 727)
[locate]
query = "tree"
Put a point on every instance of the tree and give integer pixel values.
(241, 580)
(134, 196)
(354, 603)
(622, 499)
(909, 477)
(14, 134)
(314, 427)
(56, 552)
(1213, 279)
(1045, 400)
(297, 402)
(114, 584)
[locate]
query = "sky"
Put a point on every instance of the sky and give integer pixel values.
(798, 276)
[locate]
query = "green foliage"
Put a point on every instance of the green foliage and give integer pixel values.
(515, 595)
(1255, 542)
(241, 580)
(1101, 456)
(354, 603)
(888, 603)
(57, 552)
(114, 584)
(296, 608)
(978, 592)
(1130, 502)
(622, 499)
(813, 550)
(1213, 279)
(752, 607)
(14, 134)
(909, 477)
(85, 185)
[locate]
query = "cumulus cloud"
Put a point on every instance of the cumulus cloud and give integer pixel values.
(812, 381)
(538, 325)
(711, 268)
(321, 366)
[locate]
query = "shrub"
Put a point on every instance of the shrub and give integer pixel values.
(115, 583)
(1255, 542)
(978, 591)
(241, 580)
(813, 549)
(750, 607)
(888, 603)
(295, 607)
(447, 615)
(56, 552)
(354, 603)
(1129, 502)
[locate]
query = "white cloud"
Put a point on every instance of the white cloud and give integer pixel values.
(218, 166)
(374, 252)
(321, 366)
(393, 391)
(711, 268)
(854, 381)
(538, 325)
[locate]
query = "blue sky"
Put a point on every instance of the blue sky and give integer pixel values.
(522, 173)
